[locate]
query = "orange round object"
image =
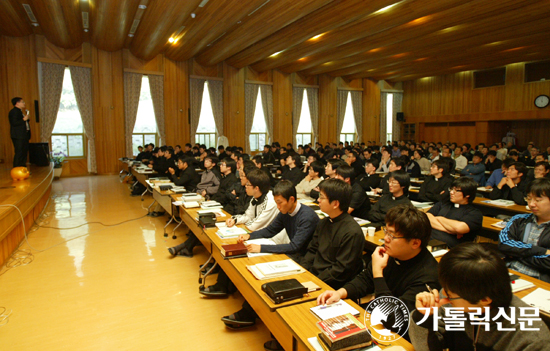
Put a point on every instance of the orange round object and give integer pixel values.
(19, 173)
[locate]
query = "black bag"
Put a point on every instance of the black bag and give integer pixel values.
(284, 290)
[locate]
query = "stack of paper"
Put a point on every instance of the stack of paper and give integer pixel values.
(422, 204)
(210, 205)
(191, 197)
(190, 204)
(500, 225)
(520, 284)
(275, 269)
(336, 309)
(500, 202)
(229, 232)
(539, 298)
(439, 253)
(261, 241)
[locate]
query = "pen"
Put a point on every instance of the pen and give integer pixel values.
(429, 290)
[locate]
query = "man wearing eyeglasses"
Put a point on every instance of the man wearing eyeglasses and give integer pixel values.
(526, 238)
(436, 183)
(455, 220)
(401, 268)
(398, 183)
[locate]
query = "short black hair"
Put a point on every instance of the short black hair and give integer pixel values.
(513, 153)
(420, 152)
(521, 168)
(335, 163)
(170, 151)
(398, 162)
(476, 271)
(478, 154)
(212, 159)
(247, 169)
(318, 167)
(507, 162)
(15, 100)
(539, 187)
(337, 190)
(260, 179)
(402, 178)
(245, 157)
(221, 147)
(163, 148)
(296, 158)
(346, 171)
(186, 159)
(442, 164)
(258, 159)
(188, 145)
(410, 222)
(467, 186)
(248, 163)
(492, 153)
(374, 162)
(229, 162)
(543, 163)
(286, 189)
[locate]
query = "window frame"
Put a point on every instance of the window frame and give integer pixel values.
(143, 139)
(257, 136)
(302, 138)
(210, 135)
(344, 139)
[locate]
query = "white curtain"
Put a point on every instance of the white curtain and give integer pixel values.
(52, 86)
(132, 89)
(82, 84)
(297, 100)
(156, 84)
(383, 117)
(397, 105)
(313, 102)
(357, 103)
(196, 90)
(215, 89)
(267, 104)
(250, 96)
(342, 99)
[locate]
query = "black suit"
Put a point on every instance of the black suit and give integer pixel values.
(20, 137)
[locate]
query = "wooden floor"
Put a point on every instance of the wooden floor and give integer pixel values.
(112, 288)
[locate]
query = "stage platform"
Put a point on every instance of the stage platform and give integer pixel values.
(30, 196)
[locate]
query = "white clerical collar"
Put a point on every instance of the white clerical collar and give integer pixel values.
(298, 205)
(457, 205)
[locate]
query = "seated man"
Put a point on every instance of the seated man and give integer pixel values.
(189, 178)
(401, 268)
(512, 187)
(399, 183)
(526, 238)
(369, 180)
(455, 220)
(311, 181)
(497, 175)
(210, 182)
(355, 162)
(460, 160)
(293, 173)
(298, 221)
(492, 163)
(475, 170)
(436, 183)
(227, 170)
(473, 278)
(330, 172)
(396, 163)
(360, 202)
(238, 198)
(335, 251)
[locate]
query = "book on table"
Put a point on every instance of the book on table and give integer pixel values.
(208, 205)
(275, 269)
(334, 310)
(500, 202)
(260, 241)
(520, 284)
(539, 298)
(233, 250)
(343, 332)
(190, 204)
(191, 197)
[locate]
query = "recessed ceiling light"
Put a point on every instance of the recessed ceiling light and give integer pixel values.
(142, 7)
(277, 53)
(86, 30)
(171, 40)
(193, 15)
(35, 24)
(384, 9)
(317, 36)
(131, 35)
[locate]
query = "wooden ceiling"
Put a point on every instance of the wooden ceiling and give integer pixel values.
(381, 39)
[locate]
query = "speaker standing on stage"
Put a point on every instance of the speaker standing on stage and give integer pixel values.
(20, 132)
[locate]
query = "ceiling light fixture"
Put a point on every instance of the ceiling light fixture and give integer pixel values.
(193, 15)
(317, 36)
(259, 7)
(275, 54)
(35, 24)
(384, 9)
(131, 35)
(203, 2)
(171, 40)
(142, 7)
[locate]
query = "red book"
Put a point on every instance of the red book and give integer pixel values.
(233, 250)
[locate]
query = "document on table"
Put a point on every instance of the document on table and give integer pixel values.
(261, 241)
(539, 298)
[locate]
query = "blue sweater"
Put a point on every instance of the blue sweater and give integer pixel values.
(476, 172)
(299, 228)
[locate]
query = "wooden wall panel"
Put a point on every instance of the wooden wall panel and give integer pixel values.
(197, 69)
(233, 105)
(265, 76)
(439, 98)
(526, 131)
(75, 167)
(176, 102)
(108, 96)
(46, 49)
(371, 111)
(132, 62)
(328, 90)
(282, 107)
(298, 78)
(18, 77)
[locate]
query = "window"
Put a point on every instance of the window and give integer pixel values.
(490, 78)
(206, 131)
(145, 129)
(303, 135)
(258, 135)
(389, 118)
(348, 129)
(68, 132)
(537, 71)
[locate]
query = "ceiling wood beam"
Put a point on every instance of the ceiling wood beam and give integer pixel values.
(60, 21)
(110, 22)
(14, 21)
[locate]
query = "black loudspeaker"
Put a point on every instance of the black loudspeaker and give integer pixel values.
(400, 117)
(36, 111)
(38, 154)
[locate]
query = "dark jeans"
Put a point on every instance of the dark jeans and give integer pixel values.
(21, 147)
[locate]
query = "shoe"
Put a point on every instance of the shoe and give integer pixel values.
(273, 345)
(233, 323)
(185, 253)
(172, 251)
(212, 291)
(134, 195)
